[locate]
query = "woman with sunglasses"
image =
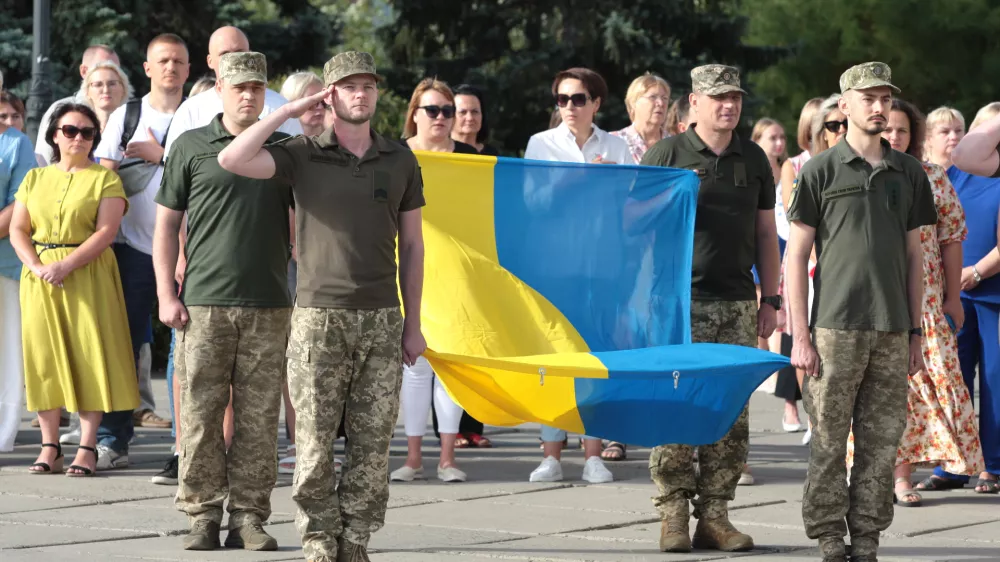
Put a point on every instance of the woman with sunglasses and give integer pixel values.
(17, 157)
(77, 348)
(429, 121)
(826, 127)
(578, 94)
(941, 423)
(106, 88)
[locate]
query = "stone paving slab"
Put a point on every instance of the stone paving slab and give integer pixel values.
(15, 503)
(16, 535)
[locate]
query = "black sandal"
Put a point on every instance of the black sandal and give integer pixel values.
(938, 484)
(991, 486)
(84, 471)
(615, 451)
(57, 464)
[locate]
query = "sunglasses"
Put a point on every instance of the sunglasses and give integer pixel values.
(835, 126)
(70, 132)
(432, 111)
(578, 100)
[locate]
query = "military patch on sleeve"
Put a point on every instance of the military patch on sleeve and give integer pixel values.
(795, 191)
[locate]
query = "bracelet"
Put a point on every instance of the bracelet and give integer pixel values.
(976, 276)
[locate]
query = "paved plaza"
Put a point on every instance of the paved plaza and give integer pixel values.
(497, 515)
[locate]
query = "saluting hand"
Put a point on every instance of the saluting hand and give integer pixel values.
(804, 357)
(299, 107)
(173, 313)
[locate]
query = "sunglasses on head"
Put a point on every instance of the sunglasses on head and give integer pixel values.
(835, 126)
(433, 111)
(578, 100)
(71, 131)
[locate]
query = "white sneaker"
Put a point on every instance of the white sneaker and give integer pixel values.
(451, 474)
(595, 472)
(71, 437)
(746, 479)
(808, 436)
(406, 474)
(549, 471)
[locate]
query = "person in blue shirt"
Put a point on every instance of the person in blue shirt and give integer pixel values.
(17, 156)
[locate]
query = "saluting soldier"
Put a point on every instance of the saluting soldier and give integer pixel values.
(862, 204)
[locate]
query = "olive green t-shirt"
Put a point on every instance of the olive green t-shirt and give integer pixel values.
(237, 229)
(734, 186)
(347, 217)
(862, 216)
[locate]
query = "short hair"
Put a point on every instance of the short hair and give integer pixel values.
(677, 114)
(985, 113)
(818, 142)
(470, 90)
(916, 119)
(60, 112)
(804, 134)
(762, 125)
(107, 65)
(12, 100)
(295, 86)
(204, 83)
(168, 38)
(944, 114)
(592, 82)
(425, 85)
(640, 86)
(92, 50)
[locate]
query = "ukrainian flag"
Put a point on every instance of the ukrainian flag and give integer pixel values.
(559, 293)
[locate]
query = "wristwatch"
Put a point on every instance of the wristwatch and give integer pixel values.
(919, 332)
(976, 276)
(774, 301)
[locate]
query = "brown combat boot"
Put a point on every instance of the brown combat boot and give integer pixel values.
(718, 533)
(675, 535)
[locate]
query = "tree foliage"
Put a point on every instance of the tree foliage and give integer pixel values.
(513, 48)
(942, 52)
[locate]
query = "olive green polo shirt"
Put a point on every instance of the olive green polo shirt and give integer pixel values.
(237, 230)
(734, 186)
(347, 217)
(861, 215)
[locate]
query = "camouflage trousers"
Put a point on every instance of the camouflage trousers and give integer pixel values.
(719, 465)
(337, 360)
(222, 348)
(862, 378)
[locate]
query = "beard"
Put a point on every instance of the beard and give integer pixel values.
(359, 118)
(873, 127)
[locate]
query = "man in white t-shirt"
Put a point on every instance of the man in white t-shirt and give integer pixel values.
(91, 56)
(167, 67)
(199, 110)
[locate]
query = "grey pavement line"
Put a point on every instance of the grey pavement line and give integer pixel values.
(137, 535)
(944, 529)
(502, 494)
(80, 503)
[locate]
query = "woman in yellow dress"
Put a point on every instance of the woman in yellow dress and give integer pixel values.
(77, 349)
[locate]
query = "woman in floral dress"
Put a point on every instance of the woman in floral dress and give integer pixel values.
(941, 428)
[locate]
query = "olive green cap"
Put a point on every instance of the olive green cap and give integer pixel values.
(349, 63)
(715, 79)
(867, 75)
(237, 68)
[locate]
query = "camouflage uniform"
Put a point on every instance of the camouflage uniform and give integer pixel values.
(862, 377)
(341, 359)
(222, 347)
(720, 464)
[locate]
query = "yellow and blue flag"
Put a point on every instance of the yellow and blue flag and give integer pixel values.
(559, 293)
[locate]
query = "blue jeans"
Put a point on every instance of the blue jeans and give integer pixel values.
(554, 435)
(979, 344)
(139, 290)
(170, 383)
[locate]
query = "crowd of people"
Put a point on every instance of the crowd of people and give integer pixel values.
(869, 256)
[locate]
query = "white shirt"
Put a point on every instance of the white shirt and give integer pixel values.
(43, 152)
(559, 145)
(137, 224)
(198, 111)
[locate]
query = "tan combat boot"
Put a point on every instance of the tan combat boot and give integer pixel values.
(717, 533)
(674, 532)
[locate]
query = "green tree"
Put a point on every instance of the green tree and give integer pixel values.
(513, 49)
(942, 52)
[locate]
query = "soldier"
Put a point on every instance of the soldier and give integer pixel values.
(862, 203)
(734, 228)
(354, 192)
(236, 322)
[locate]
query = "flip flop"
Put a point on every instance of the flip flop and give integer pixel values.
(615, 451)
(938, 484)
(991, 486)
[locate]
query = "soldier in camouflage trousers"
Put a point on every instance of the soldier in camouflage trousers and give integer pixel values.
(355, 192)
(861, 204)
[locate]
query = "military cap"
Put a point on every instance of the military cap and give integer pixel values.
(867, 75)
(348, 63)
(715, 79)
(237, 68)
